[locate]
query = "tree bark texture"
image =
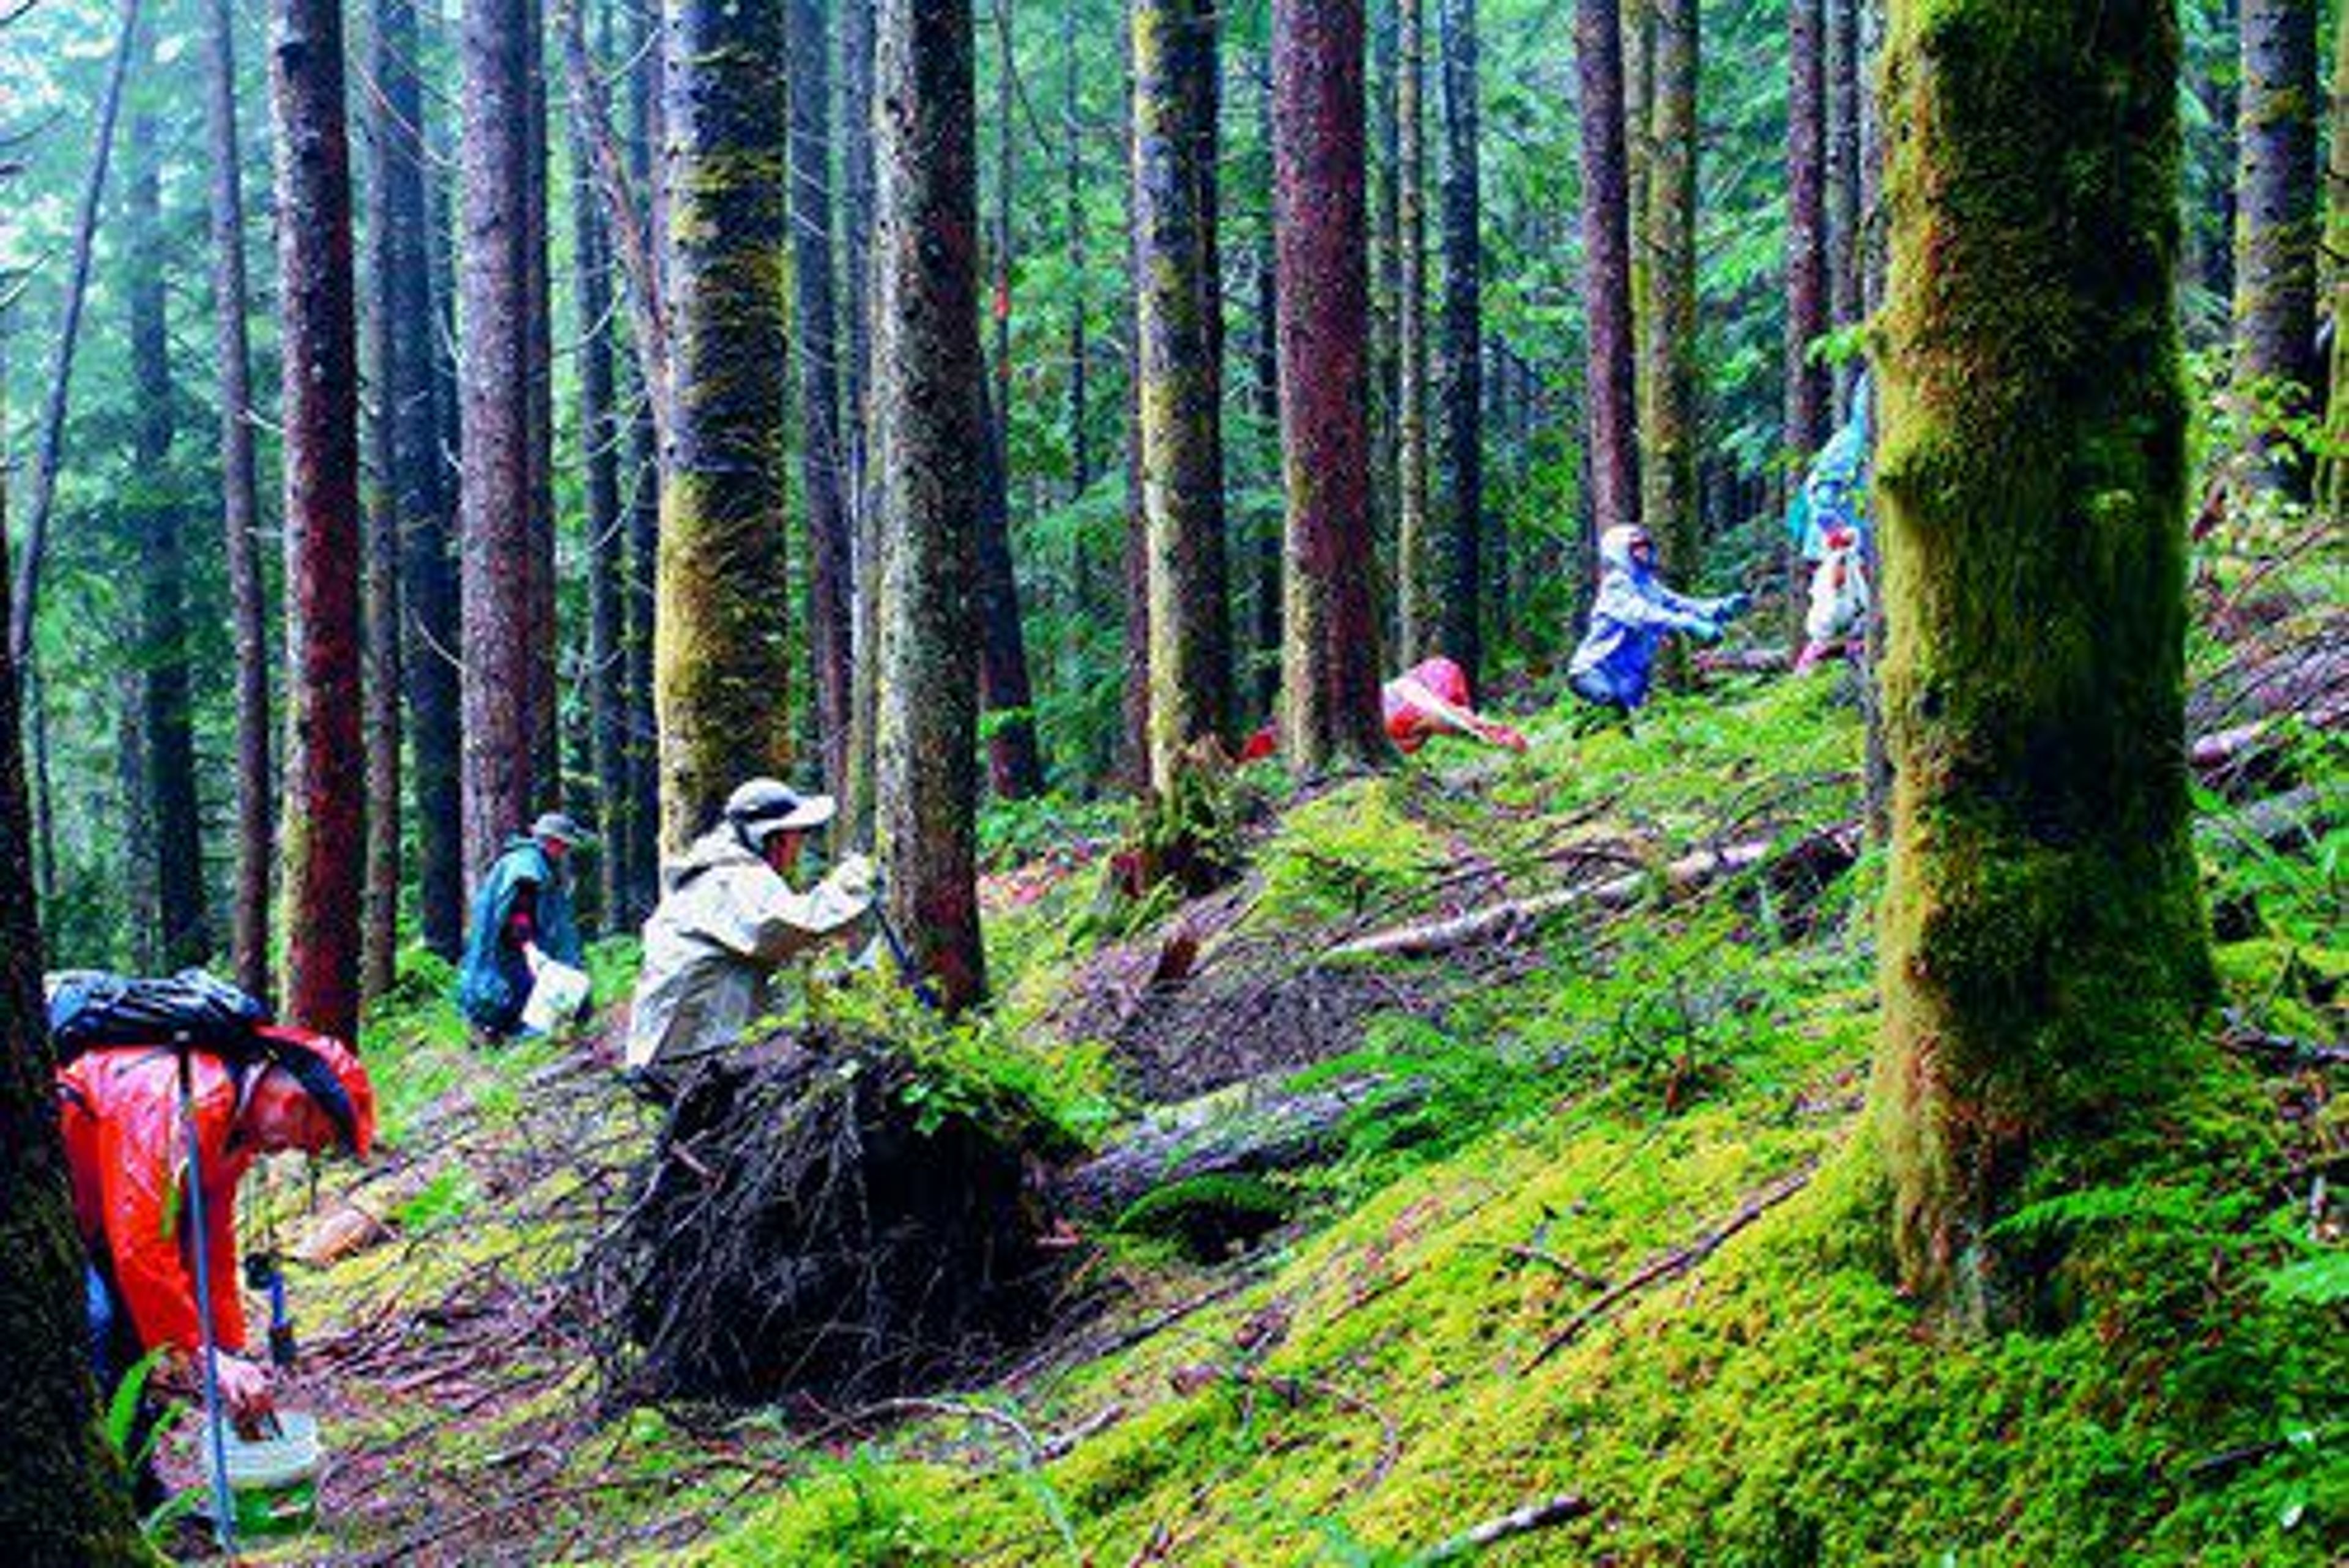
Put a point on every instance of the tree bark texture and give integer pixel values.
(1134, 708)
(824, 459)
(1072, 131)
(1015, 764)
(1415, 588)
(496, 532)
(1461, 435)
(1806, 381)
(2276, 221)
(2332, 475)
(928, 453)
(1667, 384)
(546, 736)
(326, 802)
(721, 658)
(857, 194)
(1844, 78)
(1383, 175)
(641, 852)
(1181, 363)
(1610, 391)
(1267, 530)
(406, 459)
(600, 440)
(157, 526)
(26, 596)
(2042, 947)
(1329, 656)
(63, 1500)
(241, 517)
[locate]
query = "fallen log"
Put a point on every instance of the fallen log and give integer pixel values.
(1677, 879)
(1249, 1129)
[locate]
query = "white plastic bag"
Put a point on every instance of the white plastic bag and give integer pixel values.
(557, 996)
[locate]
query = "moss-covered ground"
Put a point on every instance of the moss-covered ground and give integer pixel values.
(1620, 1239)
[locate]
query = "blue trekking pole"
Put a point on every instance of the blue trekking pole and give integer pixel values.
(223, 1510)
(914, 979)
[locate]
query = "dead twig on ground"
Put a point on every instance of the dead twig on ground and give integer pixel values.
(1516, 1521)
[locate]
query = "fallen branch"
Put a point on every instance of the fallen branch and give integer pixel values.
(1677, 1262)
(2286, 1050)
(1516, 1521)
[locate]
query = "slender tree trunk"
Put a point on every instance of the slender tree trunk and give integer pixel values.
(929, 447)
(2276, 227)
(600, 436)
(241, 517)
(1638, 18)
(1610, 391)
(1267, 530)
(156, 524)
(1415, 589)
(1015, 766)
(428, 576)
(642, 849)
(1133, 711)
(2043, 957)
(135, 830)
(23, 603)
(545, 737)
(721, 640)
(1669, 383)
(2333, 476)
(406, 458)
(1383, 160)
(822, 460)
(1181, 350)
(1461, 435)
(1080, 466)
(1329, 687)
(326, 804)
(1807, 383)
(63, 1500)
(497, 536)
(1844, 89)
(857, 173)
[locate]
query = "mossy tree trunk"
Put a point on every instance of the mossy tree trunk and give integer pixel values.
(1182, 340)
(2043, 953)
(494, 495)
(326, 803)
(1609, 396)
(639, 849)
(256, 818)
(64, 1502)
(1330, 653)
(1806, 225)
(824, 459)
(158, 524)
(1844, 89)
(928, 459)
(1668, 379)
(2276, 218)
(1458, 536)
(1415, 596)
(1133, 560)
(2333, 477)
(856, 179)
(721, 654)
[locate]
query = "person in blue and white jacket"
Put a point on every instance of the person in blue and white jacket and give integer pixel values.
(1632, 613)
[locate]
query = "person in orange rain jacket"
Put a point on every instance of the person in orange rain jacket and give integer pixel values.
(1429, 699)
(120, 1108)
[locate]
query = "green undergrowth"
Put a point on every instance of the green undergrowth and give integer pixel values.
(1448, 1326)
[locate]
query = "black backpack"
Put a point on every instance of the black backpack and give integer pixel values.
(90, 1009)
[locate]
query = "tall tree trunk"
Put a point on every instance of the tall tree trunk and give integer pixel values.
(1807, 383)
(325, 804)
(157, 522)
(1638, 18)
(2276, 226)
(2333, 477)
(62, 1494)
(1842, 82)
(721, 640)
(1610, 391)
(1330, 658)
(929, 441)
(1268, 529)
(607, 565)
(1133, 708)
(545, 740)
(407, 464)
(1669, 384)
(26, 598)
(496, 536)
(1384, 169)
(642, 849)
(1181, 332)
(1073, 129)
(1460, 437)
(1015, 764)
(856, 177)
(1415, 591)
(822, 460)
(2043, 957)
(240, 517)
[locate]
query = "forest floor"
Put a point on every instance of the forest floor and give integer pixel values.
(1584, 1268)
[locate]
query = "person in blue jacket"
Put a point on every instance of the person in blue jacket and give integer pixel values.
(522, 917)
(1632, 613)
